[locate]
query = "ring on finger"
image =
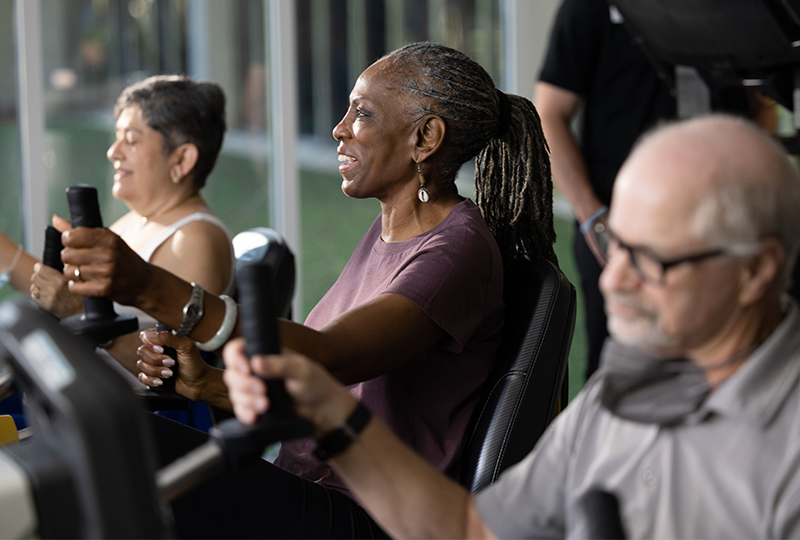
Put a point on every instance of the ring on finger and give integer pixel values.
(35, 292)
(77, 273)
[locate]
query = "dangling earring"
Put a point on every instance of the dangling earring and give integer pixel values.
(423, 194)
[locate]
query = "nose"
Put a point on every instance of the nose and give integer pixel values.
(112, 153)
(340, 130)
(618, 274)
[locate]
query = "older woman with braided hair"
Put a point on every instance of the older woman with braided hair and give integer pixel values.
(413, 322)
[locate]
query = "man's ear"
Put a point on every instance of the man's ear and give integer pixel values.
(428, 136)
(184, 159)
(759, 272)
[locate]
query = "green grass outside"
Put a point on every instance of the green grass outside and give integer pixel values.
(331, 223)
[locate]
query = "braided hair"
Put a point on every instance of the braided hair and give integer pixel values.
(514, 190)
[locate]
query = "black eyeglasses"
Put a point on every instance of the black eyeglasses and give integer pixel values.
(649, 266)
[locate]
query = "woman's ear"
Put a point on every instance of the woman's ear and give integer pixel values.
(759, 273)
(428, 136)
(184, 159)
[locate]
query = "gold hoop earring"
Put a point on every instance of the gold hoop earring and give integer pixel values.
(423, 194)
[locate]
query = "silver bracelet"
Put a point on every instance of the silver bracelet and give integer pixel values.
(225, 329)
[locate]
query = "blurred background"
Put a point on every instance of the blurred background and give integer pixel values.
(287, 67)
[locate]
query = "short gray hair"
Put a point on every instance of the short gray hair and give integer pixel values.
(745, 207)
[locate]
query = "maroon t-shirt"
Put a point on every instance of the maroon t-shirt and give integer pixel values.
(454, 274)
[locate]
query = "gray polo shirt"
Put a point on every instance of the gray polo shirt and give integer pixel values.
(682, 462)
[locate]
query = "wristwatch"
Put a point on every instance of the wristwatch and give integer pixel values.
(336, 441)
(192, 312)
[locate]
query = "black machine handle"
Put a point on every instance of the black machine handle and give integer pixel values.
(259, 324)
(84, 210)
(164, 397)
(234, 444)
(602, 510)
(52, 248)
(99, 321)
(168, 385)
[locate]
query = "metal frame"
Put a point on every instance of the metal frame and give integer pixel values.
(30, 80)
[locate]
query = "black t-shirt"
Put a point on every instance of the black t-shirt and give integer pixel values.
(597, 58)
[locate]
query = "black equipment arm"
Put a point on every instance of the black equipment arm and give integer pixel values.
(99, 321)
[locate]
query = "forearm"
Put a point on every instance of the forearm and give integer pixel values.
(13, 257)
(163, 297)
(569, 172)
(408, 497)
(368, 341)
(556, 108)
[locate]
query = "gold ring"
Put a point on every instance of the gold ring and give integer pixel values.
(35, 292)
(77, 273)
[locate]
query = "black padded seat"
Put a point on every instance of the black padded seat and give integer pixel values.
(527, 387)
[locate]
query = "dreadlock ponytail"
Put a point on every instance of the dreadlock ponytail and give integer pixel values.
(512, 174)
(513, 184)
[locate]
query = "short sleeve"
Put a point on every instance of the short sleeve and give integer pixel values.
(571, 57)
(451, 279)
(529, 500)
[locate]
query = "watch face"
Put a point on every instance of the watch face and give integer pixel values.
(193, 311)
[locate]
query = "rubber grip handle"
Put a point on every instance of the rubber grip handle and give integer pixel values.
(84, 208)
(84, 211)
(168, 383)
(52, 248)
(603, 516)
(259, 324)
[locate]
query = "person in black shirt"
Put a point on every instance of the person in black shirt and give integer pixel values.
(593, 61)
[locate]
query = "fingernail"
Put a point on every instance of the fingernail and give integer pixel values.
(260, 404)
(168, 362)
(159, 349)
(166, 373)
(150, 335)
(157, 382)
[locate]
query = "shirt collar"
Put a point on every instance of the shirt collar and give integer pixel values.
(756, 391)
(652, 390)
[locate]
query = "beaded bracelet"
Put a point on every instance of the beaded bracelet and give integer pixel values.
(225, 329)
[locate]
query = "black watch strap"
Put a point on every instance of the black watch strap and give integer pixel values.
(335, 442)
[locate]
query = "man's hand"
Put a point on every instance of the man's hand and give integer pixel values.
(315, 394)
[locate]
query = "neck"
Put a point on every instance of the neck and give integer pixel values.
(162, 208)
(725, 355)
(407, 218)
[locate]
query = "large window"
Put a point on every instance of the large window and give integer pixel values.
(92, 49)
(10, 175)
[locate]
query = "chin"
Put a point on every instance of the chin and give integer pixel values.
(640, 334)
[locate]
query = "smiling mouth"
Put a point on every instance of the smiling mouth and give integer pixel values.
(346, 159)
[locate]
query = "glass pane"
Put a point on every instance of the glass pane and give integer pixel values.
(10, 174)
(94, 48)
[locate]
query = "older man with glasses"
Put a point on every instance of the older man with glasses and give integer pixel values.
(692, 421)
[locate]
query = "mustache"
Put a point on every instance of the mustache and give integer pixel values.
(630, 301)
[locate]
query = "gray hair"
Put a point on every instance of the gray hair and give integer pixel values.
(512, 173)
(751, 204)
